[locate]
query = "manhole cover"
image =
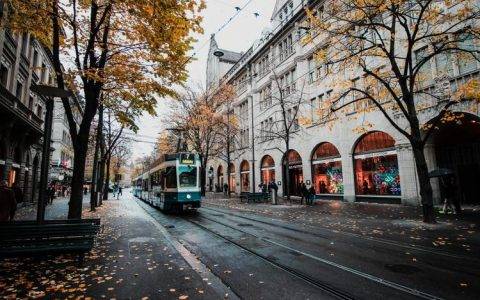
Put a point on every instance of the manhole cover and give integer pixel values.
(244, 225)
(404, 269)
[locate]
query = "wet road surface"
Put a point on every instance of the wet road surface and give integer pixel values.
(260, 258)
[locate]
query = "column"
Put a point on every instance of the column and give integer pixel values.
(408, 175)
(348, 172)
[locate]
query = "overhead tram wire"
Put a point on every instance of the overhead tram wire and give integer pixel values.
(218, 30)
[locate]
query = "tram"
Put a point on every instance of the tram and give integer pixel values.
(173, 183)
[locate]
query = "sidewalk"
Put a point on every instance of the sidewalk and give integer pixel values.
(132, 259)
(389, 221)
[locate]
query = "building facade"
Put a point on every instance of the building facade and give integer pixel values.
(339, 161)
(24, 62)
(62, 156)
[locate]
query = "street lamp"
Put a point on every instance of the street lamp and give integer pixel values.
(49, 92)
(218, 53)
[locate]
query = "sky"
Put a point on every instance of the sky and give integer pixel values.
(238, 35)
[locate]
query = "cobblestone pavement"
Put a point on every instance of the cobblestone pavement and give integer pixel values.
(131, 259)
(390, 221)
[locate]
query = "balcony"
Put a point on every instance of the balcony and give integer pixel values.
(10, 105)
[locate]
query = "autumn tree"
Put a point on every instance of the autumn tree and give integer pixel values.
(138, 48)
(391, 45)
(197, 115)
(282, 118)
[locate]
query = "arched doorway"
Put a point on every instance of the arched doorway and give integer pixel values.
(327, 176)
(233, 182)
(457, 147)
(219, 178)
(376, 165)
(295, 172)
(245, 176)
(267, 169)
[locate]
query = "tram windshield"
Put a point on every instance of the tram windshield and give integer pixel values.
(187, 176)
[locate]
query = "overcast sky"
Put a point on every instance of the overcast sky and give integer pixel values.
(237, 36)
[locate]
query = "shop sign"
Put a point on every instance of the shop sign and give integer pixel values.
(375, 154)
(326, 161)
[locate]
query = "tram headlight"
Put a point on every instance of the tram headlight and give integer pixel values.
(189, 196)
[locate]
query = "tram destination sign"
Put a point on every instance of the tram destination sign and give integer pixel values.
(187, 159)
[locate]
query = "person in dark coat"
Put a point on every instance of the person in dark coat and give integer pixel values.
(449, 189)
(51, 193)
(311, 195)
(8, 205)
(303, 192)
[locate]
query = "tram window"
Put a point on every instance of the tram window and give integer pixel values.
(171, 178)
(187, 176)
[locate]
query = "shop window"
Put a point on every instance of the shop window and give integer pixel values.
(295, 173)
(232, 182)
(327, 176)
(267, 169)
(376, 165)
(245, 176)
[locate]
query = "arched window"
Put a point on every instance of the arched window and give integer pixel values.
(327, 177)
(376, 165)
(267, 169)
(245, 176)
(232, 183)
(295, 172)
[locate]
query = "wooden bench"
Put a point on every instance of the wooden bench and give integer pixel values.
(255, 197)
(28, 238)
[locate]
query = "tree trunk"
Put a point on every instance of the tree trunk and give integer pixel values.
(76, 197)
(287, 171)
(93, 185)
(426, 192)
(107, 178)
(101, 175)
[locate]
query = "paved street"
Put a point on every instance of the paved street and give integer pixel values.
(224, 252)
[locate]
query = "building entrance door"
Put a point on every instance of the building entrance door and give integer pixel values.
(457, 147)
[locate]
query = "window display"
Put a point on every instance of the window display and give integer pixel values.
(327, 170)
(376, 165)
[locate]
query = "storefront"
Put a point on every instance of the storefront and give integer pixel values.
(245, 176)
(267, 169)
(376, 166)
(295, 172)
(327, 177)
(232, 184)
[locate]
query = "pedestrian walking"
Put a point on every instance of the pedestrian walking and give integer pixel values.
(50, 193)
(225, 189)
(311, 195)
(8, 204)
(85, 190)
(303, 191)
(449, 188)
(120, 190)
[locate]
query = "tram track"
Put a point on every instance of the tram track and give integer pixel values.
(350, 234)
(307, 278)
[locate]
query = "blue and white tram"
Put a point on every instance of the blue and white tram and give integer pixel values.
(174, 183)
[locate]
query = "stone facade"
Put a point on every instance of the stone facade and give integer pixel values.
(24, 61)
(279, 52)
